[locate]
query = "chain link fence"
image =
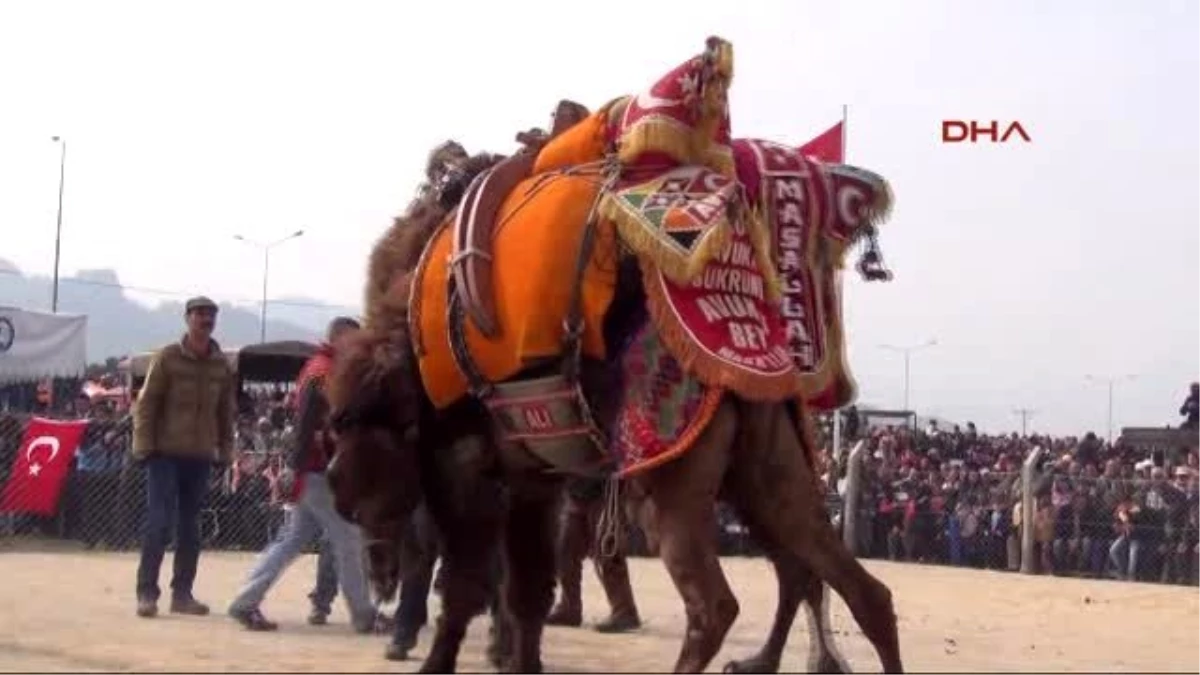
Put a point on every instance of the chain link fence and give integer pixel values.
(1117, 518)
(98, 500)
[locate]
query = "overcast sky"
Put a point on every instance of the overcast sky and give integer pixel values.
(1033, 265)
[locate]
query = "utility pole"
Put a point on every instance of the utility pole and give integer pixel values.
(1025, 414)
(1110, 382)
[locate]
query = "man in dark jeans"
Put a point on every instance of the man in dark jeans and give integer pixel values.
(182, 424)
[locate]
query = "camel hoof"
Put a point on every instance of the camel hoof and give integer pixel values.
(560, 616)
(499, 651)
(396, 652)
(619, 623)
(828, 664)
(754, 664)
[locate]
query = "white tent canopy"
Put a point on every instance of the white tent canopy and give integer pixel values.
(37, 345)
(137, 365)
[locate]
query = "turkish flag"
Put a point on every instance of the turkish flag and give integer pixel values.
(42, 465)
(827, 147)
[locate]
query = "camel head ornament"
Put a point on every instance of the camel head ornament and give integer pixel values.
(861, 200)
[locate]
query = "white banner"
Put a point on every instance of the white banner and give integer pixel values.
(37, 345)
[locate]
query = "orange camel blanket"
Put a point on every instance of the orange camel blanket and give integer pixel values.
(535, 249)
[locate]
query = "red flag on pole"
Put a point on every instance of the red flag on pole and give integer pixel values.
(41, 466)
(827, 147)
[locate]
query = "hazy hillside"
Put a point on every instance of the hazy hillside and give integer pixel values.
(119, 325)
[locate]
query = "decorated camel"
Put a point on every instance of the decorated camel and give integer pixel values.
(635, 295)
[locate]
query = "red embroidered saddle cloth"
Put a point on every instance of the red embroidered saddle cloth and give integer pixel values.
(813, 210)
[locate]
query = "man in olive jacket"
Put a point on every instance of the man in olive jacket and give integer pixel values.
(182, 424)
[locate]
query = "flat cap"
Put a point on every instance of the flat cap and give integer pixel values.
(340, 324)
(199, 302)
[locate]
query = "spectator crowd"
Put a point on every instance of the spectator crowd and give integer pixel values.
(945, 496)
(1101, 510)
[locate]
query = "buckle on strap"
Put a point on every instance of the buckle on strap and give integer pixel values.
(470, 252)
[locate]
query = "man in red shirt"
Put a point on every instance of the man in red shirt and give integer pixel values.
(312, 512)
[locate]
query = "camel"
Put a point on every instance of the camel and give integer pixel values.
(471, 513)
(397, 446)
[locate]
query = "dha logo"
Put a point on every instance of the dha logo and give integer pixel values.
(970, 131)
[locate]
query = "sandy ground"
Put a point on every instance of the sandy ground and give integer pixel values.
(74, 611)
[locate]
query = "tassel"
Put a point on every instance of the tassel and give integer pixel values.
(880, 208)
(644, 239)
(655, 135)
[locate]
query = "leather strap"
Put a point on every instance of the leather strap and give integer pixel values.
(573, 324)
(471, 241)
(477, 384)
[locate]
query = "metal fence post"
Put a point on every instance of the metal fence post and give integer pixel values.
(850, 499)
(836, 450)
(1029, 476)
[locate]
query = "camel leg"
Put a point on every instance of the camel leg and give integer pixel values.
(788, 504)
(499, 648)
(683, 493)
(419, 556)
(575, 536)
(823, 656)
(796, 584)
(528, 584)
(412, 608)
(464, 596)
(768, 657)
(466, 506)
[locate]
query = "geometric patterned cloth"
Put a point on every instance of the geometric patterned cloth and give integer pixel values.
(664, 409)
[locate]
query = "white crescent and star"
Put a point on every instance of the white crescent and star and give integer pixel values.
(648, 101)
(850, 200)
(50, 442)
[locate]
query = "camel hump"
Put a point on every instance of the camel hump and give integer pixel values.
(475, 223)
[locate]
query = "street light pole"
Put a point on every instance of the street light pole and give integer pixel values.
(62, 173)
(1110, 382)
(262, 315)
(907, 351)
(266, 249)
(907, 367)
(1110, 411)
